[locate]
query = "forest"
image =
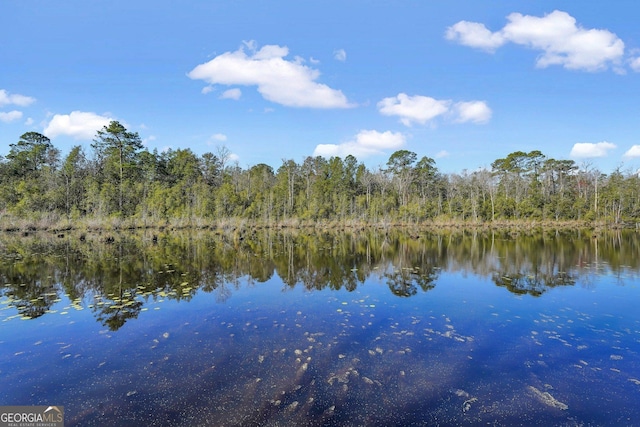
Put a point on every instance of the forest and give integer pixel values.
(120, 180)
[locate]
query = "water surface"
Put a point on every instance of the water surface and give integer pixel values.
(369, 328)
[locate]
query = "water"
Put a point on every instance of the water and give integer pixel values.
(323, 329)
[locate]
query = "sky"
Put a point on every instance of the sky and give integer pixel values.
(462, 82)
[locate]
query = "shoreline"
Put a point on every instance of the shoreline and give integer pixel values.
(93, 225)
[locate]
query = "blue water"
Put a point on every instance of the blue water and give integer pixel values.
(465, 352)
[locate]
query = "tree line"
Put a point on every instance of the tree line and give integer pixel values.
(118, 178)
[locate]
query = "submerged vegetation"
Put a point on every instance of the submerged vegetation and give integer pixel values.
(295, 327)
(120, 184)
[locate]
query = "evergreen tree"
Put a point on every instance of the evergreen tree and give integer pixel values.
(117, 151)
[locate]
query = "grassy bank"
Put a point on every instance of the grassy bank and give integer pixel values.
(55, 224)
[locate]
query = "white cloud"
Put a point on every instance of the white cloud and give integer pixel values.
(556, 34)
(474, 34)
(10, 116)
(234, 93)
(340, 55)
(15, 99)
(233, 157)
(589, 149)
(219, 137)
(413, 109)
(28, 122)
(634, 151)
(442, 153)
(284, 82)
(78, 124)
(422, 109)
(207, 89)
(634, 63)
(366, 143)
(472, 111)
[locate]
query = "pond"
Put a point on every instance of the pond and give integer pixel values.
(304, 328)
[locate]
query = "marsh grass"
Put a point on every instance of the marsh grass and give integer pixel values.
(56, 223)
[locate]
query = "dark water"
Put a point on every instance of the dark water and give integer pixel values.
(367, 328)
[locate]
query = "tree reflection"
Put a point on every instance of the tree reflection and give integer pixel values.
(116, 315)
(133, 269)
(535, 285)
(31, 299)
(405, 282)
(29, 285)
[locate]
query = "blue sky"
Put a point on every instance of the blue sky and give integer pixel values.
(463, 82)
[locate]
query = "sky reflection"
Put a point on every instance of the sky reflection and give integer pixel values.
(455, 349)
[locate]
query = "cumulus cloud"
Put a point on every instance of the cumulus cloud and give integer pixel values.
(231, 94)
(207, 89)
(10, 116)
(472, 111)
(278, 80)
(340, 55)
(413, 109)
(79, 125)
(441, 154)
(366, 143)
(557, 35)
(474, 34)
(634, 63)
(589, 149)
(422, 109)
(15, 99)
(634, 151)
